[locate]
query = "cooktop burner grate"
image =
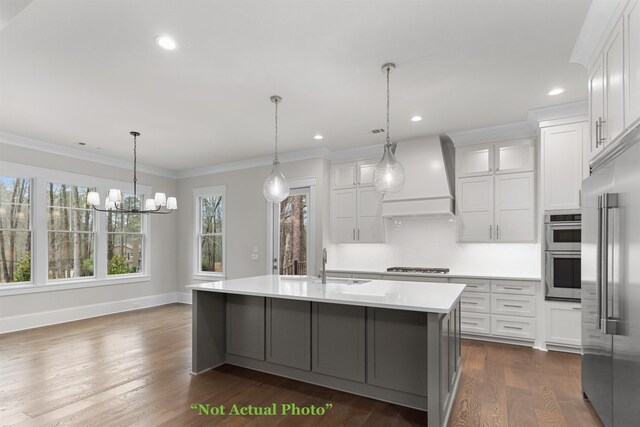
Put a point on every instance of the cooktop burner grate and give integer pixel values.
(427, 270)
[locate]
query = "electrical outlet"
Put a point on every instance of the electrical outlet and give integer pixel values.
(254, 257)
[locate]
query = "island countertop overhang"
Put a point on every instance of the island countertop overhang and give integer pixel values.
(398, 295)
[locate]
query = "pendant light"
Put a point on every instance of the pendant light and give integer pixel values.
(276, 187)
(388, 176)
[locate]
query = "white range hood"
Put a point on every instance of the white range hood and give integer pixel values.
(429, 188)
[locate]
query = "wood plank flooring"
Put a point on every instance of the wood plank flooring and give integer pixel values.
(132, 369)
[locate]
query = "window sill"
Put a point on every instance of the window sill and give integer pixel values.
(6, 290)
(209, 276)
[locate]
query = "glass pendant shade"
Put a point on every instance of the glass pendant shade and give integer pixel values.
(275, 188)
(160, 199)
(172, 203)
(388, 176)
(150, 205)
(115, 195)
(93, 198)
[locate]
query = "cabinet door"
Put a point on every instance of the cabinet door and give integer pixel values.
(563, 323)
(562, 166)
(343, 175)
(369, 227)
(343, 216)
(475, 209)
(514, 156)
(514, 211)
(397, 350)
(288, 331)
(474, 160)
(632, 71)
(596, 107)
(338, 344)
(365, 172)
(614, 85)
(245, 326)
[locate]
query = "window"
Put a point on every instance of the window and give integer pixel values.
(71, 232)
(15, 230)
(210, 209)
(125, 239)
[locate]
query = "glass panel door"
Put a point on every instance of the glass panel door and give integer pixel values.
(292, 228)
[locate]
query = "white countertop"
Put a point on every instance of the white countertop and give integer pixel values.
(399, 295)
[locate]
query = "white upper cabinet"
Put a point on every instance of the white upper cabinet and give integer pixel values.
(356, 206)
(632, 62)
(370, 227)
(474, 160)
(514, 156)
(562, 165)
(344, 175)
(475, 209)
(514, 207)
(596, 108)
(614, 86)
(365, 170)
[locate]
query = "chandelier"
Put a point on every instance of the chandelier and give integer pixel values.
(388, 176)
(160, 204)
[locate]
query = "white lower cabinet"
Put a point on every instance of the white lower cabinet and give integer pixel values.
(513, 326)
(516, 305)
(475, 323)
(475, 302)
(564, 323)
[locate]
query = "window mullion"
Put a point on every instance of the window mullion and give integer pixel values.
(39, 232)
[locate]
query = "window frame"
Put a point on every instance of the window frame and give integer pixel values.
(39, 178)
(198, 194)
(30, 229)
(144, 221)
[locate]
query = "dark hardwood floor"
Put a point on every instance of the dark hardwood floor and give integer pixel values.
(133, 369)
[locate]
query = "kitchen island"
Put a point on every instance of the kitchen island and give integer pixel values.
(395, 341)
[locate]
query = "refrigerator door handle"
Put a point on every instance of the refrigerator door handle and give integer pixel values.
(599, 266)
(608, 201)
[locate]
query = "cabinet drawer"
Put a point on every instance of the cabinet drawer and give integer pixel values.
(365, 276)
(518, 305)
(513, 287)
(511, 326)
(475, 323)
(475, 302)
(473, 285)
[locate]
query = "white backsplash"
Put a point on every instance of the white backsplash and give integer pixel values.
(431, 242)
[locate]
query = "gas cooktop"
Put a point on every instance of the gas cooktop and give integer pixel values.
(426, 270)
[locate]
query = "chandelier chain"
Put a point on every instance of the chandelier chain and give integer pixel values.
(388, 96)
(135, 171)
(276, 157)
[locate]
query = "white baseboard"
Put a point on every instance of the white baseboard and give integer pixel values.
(53, 317)
(183, 297)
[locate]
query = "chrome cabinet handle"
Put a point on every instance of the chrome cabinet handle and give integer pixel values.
(576, 308)
(513, 288)
(470, 323)
(358, 234)
(470, 302)
(512, 327)
(490, 234)
(597, 133)
(602, 137)
(354, 234)
(512, 305)
(497, 231)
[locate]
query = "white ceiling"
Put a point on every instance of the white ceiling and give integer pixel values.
(89, 71)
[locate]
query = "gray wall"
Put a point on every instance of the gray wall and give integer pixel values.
(164, 236)
(246, 216)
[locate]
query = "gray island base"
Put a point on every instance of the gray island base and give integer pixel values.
(380, 339)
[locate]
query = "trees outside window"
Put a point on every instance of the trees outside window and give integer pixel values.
(71, 232)
(15, 229)
(125, 239)
(211, 223)
(294, 221)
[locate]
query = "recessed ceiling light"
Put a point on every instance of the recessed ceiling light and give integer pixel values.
(82, 143)
(556, 91)
(166, 42)
(318, 137)
(416, 118)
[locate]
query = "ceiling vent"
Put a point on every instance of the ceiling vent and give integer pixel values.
(376, 131)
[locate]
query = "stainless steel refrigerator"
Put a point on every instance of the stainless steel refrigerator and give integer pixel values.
(610, 278)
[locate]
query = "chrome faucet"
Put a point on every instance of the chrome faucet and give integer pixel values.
(324, 266)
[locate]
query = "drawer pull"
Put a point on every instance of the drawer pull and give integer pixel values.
(577, 308)
(472, 286)
(594, 336)
(512, 327)
(470, 323)
(513, 305)
(470, 302)
(513, 288)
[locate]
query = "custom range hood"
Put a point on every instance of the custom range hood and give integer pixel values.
(429, 188)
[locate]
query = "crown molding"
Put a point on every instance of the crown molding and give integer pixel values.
(514, 130)
(599, 22)
(47, 147)
(573, 109)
